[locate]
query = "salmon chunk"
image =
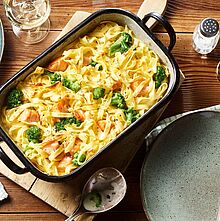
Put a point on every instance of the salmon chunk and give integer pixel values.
(50, 146)
(102, 124)
(117, 86)
(137, 82)
(66, 161)
(63, 105)
(30, 116)
(79, 114)
(58, 65)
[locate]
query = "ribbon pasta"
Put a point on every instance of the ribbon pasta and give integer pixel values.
(88, 65)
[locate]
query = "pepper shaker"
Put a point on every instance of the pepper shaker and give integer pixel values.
(206, 36)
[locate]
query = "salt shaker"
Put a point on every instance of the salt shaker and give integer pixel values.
(206, 36)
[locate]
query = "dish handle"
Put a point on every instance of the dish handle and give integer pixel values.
(165, 24)
(9, 163)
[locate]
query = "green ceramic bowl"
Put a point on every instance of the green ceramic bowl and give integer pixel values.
(180, 178)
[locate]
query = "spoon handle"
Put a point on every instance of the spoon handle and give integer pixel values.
(73, 217)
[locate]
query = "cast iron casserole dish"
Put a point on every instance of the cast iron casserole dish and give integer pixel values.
(134, 132)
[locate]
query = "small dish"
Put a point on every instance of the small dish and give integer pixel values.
(1, 40)
(180, 177)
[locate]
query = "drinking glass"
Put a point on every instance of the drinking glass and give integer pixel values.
(29, 19)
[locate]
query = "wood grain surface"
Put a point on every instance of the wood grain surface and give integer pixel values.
(200, 89)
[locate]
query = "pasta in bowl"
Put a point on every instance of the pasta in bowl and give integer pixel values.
(64, 113)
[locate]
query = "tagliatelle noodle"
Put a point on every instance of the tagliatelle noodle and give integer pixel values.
(138, 64)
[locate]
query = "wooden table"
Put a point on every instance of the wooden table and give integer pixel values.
(200, 89)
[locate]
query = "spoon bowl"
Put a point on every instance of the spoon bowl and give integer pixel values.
(103, 191)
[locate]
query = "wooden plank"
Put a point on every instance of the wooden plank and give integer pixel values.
(21, 199)
(128, 216)
(131, 201)
(200, 77)
(59, 197)
(183, 15)
(183, 47)
(18, 54)
(32, 217)
(109, 216)
(17, 200)
(199, 72)
(25, 180)
(63, 11)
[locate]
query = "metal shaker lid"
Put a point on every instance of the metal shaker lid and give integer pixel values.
(209, 27)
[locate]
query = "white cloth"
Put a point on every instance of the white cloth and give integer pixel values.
(3, 193)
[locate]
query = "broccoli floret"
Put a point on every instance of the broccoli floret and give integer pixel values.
(98, 93)
(159, 76)
(71, 84)
(94, 63)
(60, 125)
(27, 148)
(77, 122)
(34, 134)
(131, 115)
(81, 160)
(95, 198)
(54, 77)
(75, 159)
(122, 45)
(65, 121)
(100, 68)
(118, 100)
(14, 98)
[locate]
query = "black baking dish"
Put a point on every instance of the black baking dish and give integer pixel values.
(137, 129)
